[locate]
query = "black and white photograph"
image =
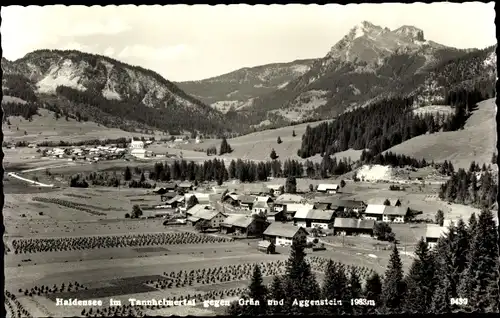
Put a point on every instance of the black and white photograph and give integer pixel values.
(256, 160)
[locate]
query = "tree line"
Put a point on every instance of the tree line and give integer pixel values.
(27, 111)
(391, 159)
(385, 124)
(462, 267)
(476, 187)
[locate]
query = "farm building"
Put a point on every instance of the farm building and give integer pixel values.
(384, 201)
(374, 212)
(275, 216)
(277, 189)
(186, 186)
(201, 198)
(213, 217)
(167, 196)
(292, 208)
(433, 233)
(246, 202)
(395, 214)
(266, 247)
(314, 218)
(175, 202)
(170, 187)
(328, 188)
(261, 207)
(242, 225)
(231, 198)
(137, 144)
(283, 201)
(348, 226)
(138, 153)
(281, 234)
(336, 204)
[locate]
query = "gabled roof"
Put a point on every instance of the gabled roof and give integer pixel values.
(321, 206)
(353, 223)
(238, 221)
(246, 198)
(324, 215)
(302, 212)
(289, 198)
(198, 207)
(294, 207)
(264, 244)
(264, 198)
(231, 195)
(282, 229)
(177, 198)
(260, 205)
(193, 219)
(185, 185)
(375, 209)
(435, 231)
(396, 210)
(327, 186)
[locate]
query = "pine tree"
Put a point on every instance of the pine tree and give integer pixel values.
(354, 291)
(439, 217)
(128, 174)
(273, 155)
(256, 292)
(373, 291)
(393, 287)
(334, 288)
(276, 293)
(224, 147)
(291, 185)
(441, 300)
(300, 283)
(293, 134)
(479, 281)
(420, 281)
(279, 140)
(143, 178)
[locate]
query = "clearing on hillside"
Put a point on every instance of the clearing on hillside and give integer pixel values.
(476, 142)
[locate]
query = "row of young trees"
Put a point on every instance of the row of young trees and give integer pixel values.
(385, 124)
(464, 265)
(476, 186)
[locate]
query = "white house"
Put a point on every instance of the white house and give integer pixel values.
(395, 214)
(374, 212)
(283, 234)
(137, 144)
(260, 207)
(328, 188)
(433, 233)
(310, 218)
(205, 213)
(138, 152)
(278, 189)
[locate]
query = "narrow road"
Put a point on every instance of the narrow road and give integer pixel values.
(12, 174)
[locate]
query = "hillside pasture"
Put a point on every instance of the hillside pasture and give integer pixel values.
(258, 145)
(45, 127)
(476, 142)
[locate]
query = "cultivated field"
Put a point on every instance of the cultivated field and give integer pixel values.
(44, 127)
(476, 142)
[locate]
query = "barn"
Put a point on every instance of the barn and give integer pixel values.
(283, 234)
(348, 226)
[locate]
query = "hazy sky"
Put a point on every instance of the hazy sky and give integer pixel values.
(194, 42)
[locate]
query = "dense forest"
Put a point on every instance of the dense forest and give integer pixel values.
(477, 187)
(463, 267)
(172, 117)
(391, 159)
(27, 111)
(384, 124)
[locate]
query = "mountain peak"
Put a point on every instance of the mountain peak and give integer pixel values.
(410, 32)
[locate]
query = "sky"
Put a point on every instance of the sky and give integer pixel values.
(183, 42)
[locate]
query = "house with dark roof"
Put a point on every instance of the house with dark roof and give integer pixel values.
(261, 207)
(266, 247)
(277, 189)
(283, 234)
(246, 202)
(242, 225)
(175, 202)
(275, 216)
(167, 196)
(348, 226)
(310, 218)
(169, 187)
